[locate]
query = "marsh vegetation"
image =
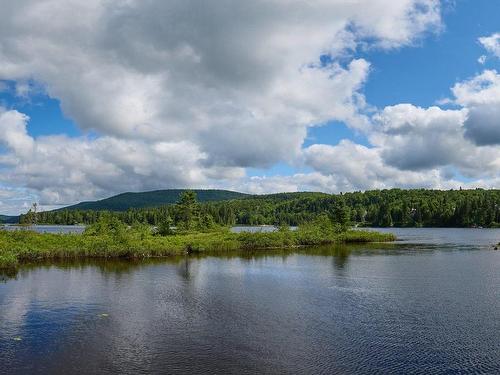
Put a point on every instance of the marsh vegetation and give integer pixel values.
(110, 238)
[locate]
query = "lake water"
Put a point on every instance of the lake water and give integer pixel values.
(428, 304)
(47, 228)
(80, 228)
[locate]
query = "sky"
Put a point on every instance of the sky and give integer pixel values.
(99, 97)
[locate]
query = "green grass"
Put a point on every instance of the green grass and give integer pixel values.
(115, 241)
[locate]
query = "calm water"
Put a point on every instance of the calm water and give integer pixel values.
(429, 304)
(81, 228)
(47, 228)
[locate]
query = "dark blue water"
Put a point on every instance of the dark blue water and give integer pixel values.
(430, 304)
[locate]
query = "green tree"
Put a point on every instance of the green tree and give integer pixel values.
(165, 227)
(341, 214)
(188, 210)
(206, 222)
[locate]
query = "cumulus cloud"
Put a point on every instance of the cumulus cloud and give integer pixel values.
(481, 89)
(465, 140)
(65, 170)
(414, 138)
(418, 139)
(483, 125)
(481, 94)
(186, 92)
(190, 93)
(14, 199)
(411, 146)
(491, 43)
(350, 166)
(212, 73)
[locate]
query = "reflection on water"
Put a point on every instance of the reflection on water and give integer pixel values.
(339, 254)
(386, 308)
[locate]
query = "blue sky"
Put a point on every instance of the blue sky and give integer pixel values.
(46, 116)
(438, 61)
(181, 113)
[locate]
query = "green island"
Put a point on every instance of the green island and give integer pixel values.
(189, 230)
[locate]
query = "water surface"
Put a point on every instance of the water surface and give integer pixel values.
(428, 304)
(78, 229)
(46, 228)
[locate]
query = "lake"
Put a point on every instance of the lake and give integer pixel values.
(429, 303)
(78, 229)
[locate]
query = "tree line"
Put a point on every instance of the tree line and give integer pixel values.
(379, 208)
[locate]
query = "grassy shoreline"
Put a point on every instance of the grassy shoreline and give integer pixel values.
(137, 242)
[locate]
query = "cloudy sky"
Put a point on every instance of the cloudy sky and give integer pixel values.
(99, 97)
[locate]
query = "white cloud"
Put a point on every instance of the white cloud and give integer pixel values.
(482, 89)
(12, 200)
(13, 132)
(190, 93)
(182, 70)
(65, 170)
(413, 138)
(417, 147)
(186, 92)
(481, 95)
(491, 43)
(420, 139)
(23, 89)
(351, 166)
(483, 125)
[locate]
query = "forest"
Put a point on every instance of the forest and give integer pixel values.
(377, 208)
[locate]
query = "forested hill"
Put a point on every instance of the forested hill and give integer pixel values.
(384, 208)
(125, 201)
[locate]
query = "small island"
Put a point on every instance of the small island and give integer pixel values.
(189, 231)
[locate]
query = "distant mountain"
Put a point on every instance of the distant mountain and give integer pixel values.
(124, 201)
(9, 219)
